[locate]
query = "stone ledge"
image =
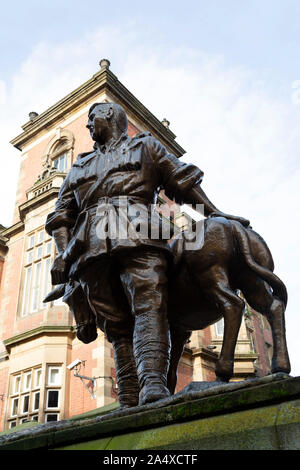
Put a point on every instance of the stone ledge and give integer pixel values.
(254, 414)
(36, 201)
(16, 228)
(40, 330)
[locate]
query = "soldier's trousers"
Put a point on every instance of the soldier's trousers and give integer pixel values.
(128, 295)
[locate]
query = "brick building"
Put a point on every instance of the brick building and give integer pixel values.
(39, 340)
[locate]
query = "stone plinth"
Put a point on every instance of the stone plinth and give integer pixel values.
(257, 414)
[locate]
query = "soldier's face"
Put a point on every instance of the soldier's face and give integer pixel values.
(97, 124)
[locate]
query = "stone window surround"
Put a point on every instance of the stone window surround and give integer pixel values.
(62, 142)
(43, 388)
(27, 264)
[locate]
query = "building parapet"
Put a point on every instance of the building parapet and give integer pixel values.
(41, 192)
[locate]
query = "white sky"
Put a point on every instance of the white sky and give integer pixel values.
(225, 74)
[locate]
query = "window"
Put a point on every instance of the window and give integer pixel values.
(220, 327)
(17, 384)
(52, 399)
(14, 407)
(25, 403)
(22, 384)
(54, 376)
(29, 256)
(40, 236)
(61, 163)
(36, 401)
(38, 377)
(59, 151)
(52, 417)
(27, 381)
(48, 247)
(31, 241)
(53, 387)
(35, 395)
(37, 279)
(36, 287)
(27, 284)
(39, 253)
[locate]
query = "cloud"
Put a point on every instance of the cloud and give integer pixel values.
(233, 124)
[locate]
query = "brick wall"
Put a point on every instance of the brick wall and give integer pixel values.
(80, 400)
(10, 287)
(3, 392)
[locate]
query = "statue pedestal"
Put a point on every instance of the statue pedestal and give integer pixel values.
(257, 414)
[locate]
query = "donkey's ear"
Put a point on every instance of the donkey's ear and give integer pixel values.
(55, 294)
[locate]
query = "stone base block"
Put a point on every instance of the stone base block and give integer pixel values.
(256, 414)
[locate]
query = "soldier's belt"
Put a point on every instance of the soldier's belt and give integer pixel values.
(104, 208)
(122, 200)
(116, 201)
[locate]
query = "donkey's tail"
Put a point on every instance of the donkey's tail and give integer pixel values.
(278, 287)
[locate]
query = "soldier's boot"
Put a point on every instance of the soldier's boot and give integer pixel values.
(128, 385)
(151, 343)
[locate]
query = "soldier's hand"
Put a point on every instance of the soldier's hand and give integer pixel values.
(242, 221)
(59, 271)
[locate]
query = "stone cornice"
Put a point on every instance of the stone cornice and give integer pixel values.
(205, 353)
(41, 330)
(246, 357)
(36, 201)
(3, 242)
(104, 80)
(17, 227)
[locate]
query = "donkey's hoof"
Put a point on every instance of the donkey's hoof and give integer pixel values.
(284, 367)
(224, 370)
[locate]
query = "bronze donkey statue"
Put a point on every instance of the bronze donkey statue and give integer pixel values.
(231, 258)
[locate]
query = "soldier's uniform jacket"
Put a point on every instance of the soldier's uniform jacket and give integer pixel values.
(132, 171)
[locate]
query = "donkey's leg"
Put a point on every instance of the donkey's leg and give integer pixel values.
(260, 297)
(275, 316)
(232, 308)
(179, 339)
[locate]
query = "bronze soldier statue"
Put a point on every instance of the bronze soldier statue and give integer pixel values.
(120, 284)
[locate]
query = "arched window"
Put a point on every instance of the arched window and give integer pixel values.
(59, 151)
(61, 163)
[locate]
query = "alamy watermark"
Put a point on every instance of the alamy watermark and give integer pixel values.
(122, 219)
